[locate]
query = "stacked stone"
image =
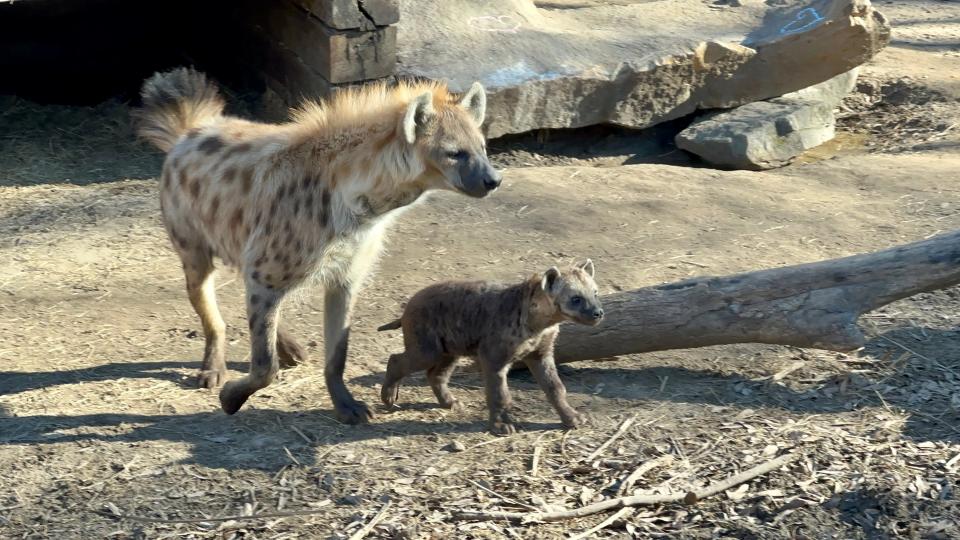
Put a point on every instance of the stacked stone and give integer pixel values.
(309, 47)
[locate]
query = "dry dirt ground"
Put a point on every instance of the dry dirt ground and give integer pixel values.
(99, 417)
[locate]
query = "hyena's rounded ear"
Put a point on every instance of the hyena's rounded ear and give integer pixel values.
(587, 266)
(475, 102)
(419, 113)
(550, 280)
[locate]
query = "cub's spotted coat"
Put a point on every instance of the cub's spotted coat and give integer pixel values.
(498, 325)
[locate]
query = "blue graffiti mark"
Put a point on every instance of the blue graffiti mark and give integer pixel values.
(805, 19)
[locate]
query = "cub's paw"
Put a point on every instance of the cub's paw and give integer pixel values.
(573, 420)
(502, 428)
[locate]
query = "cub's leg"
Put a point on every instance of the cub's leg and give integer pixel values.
(498, 394)
(544, 370)
(439, 375)
(290, 352)
(397, 369)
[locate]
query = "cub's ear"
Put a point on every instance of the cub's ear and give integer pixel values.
(418, 115)
(475, 102)
(587, 266)
(551, 278)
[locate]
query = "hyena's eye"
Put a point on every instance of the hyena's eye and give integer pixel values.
(576, 301)
(458, 155)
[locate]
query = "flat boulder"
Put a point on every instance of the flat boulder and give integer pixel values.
(635, 63)
(768, 134)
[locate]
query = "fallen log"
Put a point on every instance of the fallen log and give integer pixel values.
(812, 305)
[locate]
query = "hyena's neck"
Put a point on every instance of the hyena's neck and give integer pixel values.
(382, 181)
(538, 312)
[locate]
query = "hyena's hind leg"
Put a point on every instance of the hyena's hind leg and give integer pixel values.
(199, 272)
(289, 351)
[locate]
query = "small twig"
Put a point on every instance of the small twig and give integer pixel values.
(918, 355)
(636, 500)
(291, 456)
(737, 479)
(265, 515)
(646, 466)
(780, 375)
(373, 523)
(535, 460)
(603, 524)
(499, 496)
(302, 434)
(620, 431)
(491, 441)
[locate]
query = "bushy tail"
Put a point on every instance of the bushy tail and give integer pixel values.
(173, 103)
(390, 326)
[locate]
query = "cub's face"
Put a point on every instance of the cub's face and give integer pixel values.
(574, 293)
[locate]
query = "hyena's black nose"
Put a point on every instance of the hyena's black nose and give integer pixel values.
(492, 181)
(597, 314)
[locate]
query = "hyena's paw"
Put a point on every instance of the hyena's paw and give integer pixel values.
(353, 412)
(573, 420)
(233, 395)
(211, 378)
(289, 352)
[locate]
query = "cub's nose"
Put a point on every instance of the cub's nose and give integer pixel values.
(597, 314)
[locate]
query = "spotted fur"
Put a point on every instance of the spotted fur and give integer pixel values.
(308, 198)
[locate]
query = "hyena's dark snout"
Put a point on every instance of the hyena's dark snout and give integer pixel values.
(492, 180)
(478, 178)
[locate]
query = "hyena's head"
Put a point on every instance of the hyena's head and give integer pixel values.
(448, 138)
(574, 293)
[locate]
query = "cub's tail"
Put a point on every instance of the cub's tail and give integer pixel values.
(173, 103)
(393, 325)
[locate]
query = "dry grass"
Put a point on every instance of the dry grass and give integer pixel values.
(102, 434)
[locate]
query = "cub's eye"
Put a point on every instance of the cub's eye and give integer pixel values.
(458, 155)
(576, 301)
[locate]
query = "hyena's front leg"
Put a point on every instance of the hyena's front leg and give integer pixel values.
(199, 272)
(263, 312)
(337, 303)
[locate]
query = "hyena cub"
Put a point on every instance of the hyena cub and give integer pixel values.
(498, 325)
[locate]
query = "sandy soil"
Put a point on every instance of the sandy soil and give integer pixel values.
(99, 416)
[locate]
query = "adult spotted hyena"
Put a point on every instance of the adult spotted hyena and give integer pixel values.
(311, 197)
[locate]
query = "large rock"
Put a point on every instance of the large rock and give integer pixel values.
(634, 63)
(769, 134)
(761, 135)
